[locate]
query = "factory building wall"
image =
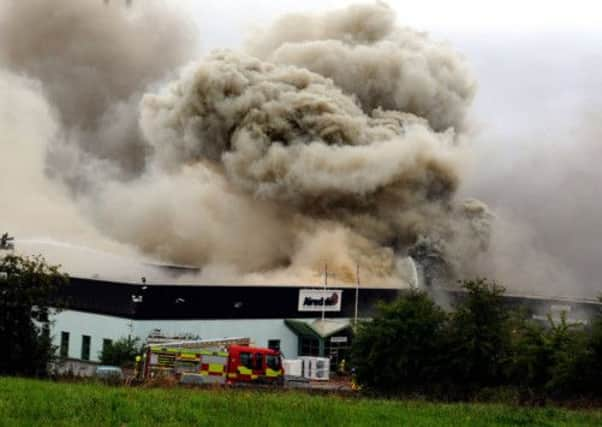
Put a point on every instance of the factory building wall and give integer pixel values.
(97, 326)
(100, 327)
(107, 310)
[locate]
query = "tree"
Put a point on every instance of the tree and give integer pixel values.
(479, 336)
(530, 356)
(399, 349)
(29, 290)
(592, 360)
(567, 344)
(122, 352)
(553, 360)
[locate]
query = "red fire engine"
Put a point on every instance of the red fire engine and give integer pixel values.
(233, 363)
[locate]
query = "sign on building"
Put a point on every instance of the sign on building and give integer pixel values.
(318, 300)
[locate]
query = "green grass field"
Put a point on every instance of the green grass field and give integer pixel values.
(39, 403)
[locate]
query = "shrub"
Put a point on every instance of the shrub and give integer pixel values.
(399, 349)
(122, 352)
(593, 358)
(479, 336)
(530, 356)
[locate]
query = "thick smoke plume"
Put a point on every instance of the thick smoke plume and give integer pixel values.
(384, 66)
(94, 63)
(338, 142)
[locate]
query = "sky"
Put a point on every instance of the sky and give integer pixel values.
(431, 15)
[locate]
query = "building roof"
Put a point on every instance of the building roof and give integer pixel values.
(318, 328)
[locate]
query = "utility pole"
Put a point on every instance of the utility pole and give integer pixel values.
(357, 292)
(324, 293)
(325, 275)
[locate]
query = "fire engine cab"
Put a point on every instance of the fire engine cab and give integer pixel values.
(254, 363)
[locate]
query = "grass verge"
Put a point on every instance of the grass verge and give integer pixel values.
(25, 402)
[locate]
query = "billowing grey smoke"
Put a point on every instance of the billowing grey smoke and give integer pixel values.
(94, 62)
(340, 142)
(284, 133)
(366, 54)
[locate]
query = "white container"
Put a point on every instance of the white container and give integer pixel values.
(316, 368)
(293, 367)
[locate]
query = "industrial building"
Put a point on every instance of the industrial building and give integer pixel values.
(288, 318)
(297, 320)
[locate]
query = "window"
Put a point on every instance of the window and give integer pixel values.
(64, 348)
(246, 360)
(310, 346)
(274, 344)
(258, 362)
(273, 362)
(85, 347)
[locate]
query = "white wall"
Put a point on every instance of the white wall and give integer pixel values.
(100, 327)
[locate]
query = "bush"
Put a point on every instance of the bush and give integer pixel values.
(121, 353)
(530, 356)
(479, 336)
(399, 349)
(592, 360)
(567, 344)
(554, 360)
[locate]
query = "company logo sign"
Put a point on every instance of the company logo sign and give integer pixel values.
(318, 300)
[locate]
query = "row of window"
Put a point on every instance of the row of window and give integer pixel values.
(86, 341)
(85, 350)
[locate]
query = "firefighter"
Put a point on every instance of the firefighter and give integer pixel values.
(354, 384)
(138, 367)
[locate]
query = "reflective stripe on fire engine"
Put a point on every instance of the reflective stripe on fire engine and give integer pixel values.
(243, 370)
(213, 369)
(272, 373)
(245, 373)
(188, 356)
(216, 368)
(232, 375)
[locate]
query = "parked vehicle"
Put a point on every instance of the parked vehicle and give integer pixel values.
(230, 364)
(109, 374)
